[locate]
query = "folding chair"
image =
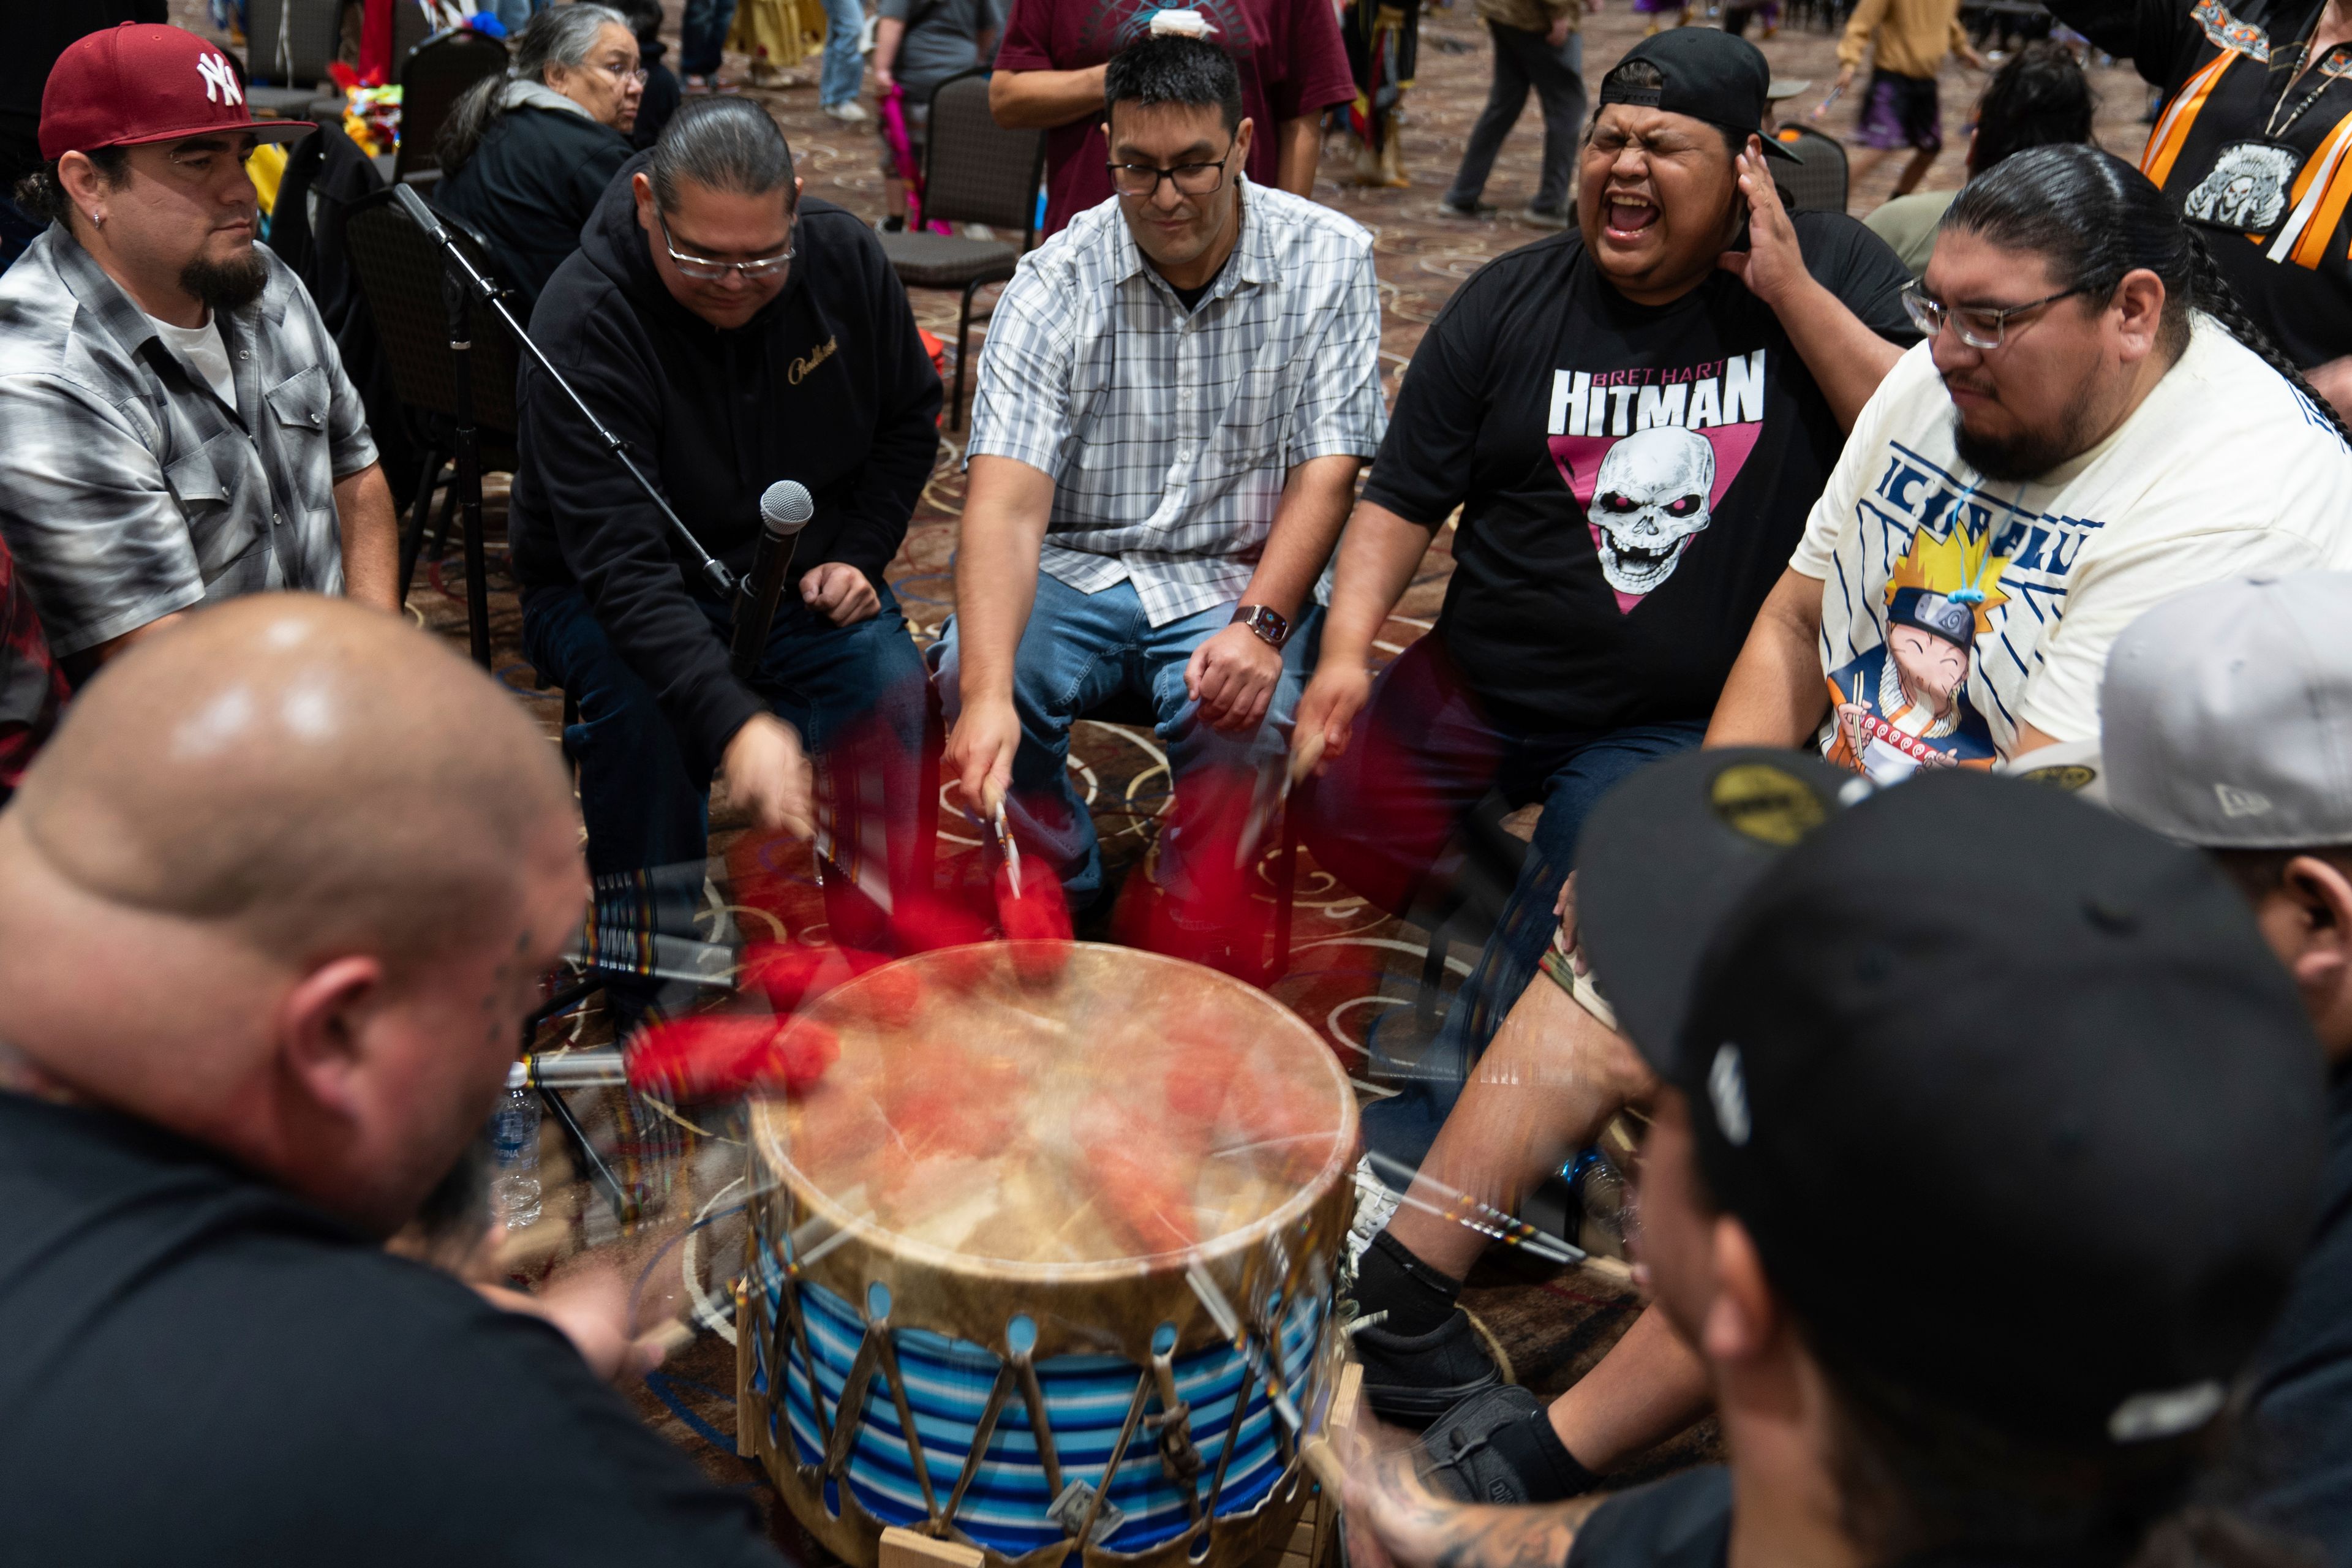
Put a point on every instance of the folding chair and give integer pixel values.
(974, 171)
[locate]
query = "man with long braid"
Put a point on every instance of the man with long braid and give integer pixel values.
(2094, 425)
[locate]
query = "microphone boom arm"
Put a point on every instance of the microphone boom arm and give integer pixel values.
(714, 571)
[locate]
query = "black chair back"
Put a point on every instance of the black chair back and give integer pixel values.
(1818, 184)
(975, 171)
(399, 268)
(431, 81)
(289, 43)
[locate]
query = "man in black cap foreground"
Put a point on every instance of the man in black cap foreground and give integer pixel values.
(1632, 420)
(2113, 1094)
(2228, 725)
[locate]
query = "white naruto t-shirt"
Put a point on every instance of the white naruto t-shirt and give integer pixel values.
(1954, 607)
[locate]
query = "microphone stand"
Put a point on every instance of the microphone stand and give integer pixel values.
(464, 277)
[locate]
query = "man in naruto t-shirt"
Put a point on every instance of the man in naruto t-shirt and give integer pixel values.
(1633, 419)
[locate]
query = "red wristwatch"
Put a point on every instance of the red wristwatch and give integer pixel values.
(1272, 629)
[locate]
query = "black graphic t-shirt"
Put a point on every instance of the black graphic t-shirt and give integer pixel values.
(2254, 150)
(1632, 478)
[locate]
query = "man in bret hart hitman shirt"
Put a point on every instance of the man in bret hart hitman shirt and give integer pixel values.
(1633, 419)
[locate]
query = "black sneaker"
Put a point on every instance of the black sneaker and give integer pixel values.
(1447, 207)
(1460, 1458)
(1412, 1380)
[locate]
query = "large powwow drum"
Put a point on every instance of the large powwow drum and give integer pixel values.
(991, 1249)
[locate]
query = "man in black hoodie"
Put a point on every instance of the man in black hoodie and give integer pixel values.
(732, 335)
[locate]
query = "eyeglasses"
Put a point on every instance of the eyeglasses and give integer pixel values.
(703, 270)
(626, 76)
(1191, 179)
(1979, 326)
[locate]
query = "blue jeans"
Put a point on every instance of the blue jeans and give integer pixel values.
(1079, 651)
(1384, 819)
(855, 694)
(844, 67)
(702, 35)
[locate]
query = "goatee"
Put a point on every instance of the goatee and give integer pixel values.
(2027, 456)
(227, 285)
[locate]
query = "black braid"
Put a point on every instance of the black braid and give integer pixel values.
(2211, 292)
(2092, 219)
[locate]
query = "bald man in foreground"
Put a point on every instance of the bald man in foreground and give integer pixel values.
(273, 905)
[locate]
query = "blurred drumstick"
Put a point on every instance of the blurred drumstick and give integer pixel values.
(1504, 1228)
(1540, 1245)
(991, 811)
(1823, 106)
(1306, 756)
(1305, 753)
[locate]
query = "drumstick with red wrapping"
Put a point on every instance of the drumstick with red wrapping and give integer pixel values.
(710, 1056)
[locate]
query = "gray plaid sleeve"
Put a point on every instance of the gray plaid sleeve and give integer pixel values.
(351, 446)
(1022, 408)
(90, 515)
(1340, 411)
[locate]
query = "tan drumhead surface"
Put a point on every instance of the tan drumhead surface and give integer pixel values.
(1035, 1103)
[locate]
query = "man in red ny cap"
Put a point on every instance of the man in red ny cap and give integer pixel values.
(175, 425)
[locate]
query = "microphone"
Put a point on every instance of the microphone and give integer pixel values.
(784, 509)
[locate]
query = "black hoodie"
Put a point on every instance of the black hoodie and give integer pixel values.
(828, 385)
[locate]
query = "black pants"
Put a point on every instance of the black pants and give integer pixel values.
(1523, 60)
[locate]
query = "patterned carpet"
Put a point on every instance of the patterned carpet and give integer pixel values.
(1354, 970)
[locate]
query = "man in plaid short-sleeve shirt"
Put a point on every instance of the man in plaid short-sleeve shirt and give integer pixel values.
(1175, 397)
(175, 425)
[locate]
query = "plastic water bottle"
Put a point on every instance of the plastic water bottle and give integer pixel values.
(514, 1138)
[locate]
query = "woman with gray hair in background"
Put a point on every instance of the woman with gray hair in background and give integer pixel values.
(527, 155)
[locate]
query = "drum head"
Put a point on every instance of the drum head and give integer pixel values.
(1050, 1107)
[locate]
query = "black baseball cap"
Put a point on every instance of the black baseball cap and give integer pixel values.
(2019, 1109)
(1707, 74)
(1679, 852)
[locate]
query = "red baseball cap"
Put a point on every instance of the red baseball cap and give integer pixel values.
(145, 82)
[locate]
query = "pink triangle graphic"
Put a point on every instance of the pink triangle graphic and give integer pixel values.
(1577, 459)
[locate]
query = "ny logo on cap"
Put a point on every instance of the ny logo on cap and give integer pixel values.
(220, 80)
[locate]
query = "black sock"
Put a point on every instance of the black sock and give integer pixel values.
(1550, 1471)
(1390, 1279)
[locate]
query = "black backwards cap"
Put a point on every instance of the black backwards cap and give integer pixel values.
(1964, 1032)
(1707, 74)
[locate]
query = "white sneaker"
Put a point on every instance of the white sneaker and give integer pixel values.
(849, 112)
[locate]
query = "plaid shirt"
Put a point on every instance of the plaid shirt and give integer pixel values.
(32, 689)
(127, 488)
(1168, 433)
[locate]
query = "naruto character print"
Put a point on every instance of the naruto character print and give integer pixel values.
(1648, 454)
(1933, 616)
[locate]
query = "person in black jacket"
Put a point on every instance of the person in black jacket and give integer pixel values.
(733, 335)
(2251, 144)
(526, 156)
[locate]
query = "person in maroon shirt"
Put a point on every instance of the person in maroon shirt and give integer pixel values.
(1049, 77)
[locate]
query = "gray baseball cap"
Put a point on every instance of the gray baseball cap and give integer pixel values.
(2226, 716)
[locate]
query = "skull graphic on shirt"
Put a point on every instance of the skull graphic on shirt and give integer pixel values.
(1649, 502)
